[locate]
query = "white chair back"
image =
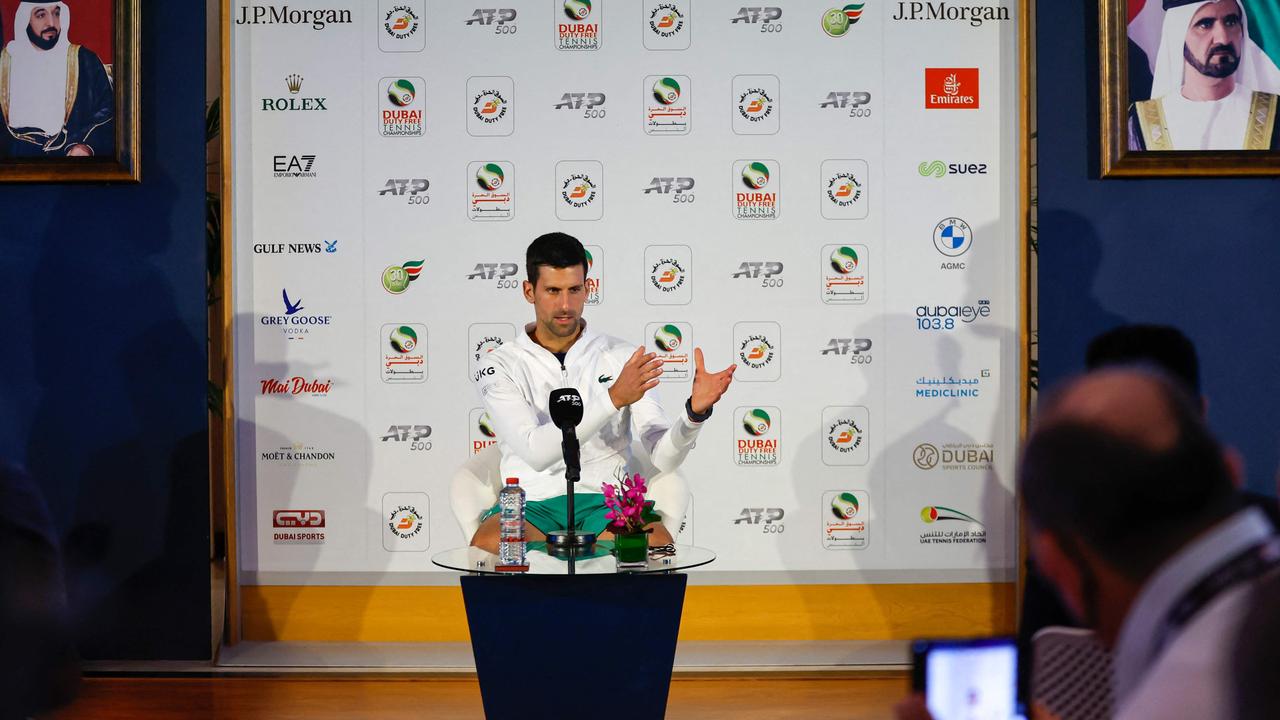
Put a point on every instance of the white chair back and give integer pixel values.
(1071, 674)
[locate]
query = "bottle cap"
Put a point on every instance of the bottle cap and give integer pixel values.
(513, 481)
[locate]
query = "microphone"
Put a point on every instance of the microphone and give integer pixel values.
(566, 413)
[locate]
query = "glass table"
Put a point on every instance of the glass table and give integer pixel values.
(597, 560)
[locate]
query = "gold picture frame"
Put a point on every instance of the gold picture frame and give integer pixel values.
(1118, 160)
(124, 164)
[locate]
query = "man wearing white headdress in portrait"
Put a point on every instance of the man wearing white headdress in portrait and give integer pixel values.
(55, 97)
(1212, 85)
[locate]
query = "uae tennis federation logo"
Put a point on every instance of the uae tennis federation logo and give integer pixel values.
(578, 190)
(844, 189)
(952, 237)
(962, 528)
(576, 29)
(666, 20)
(931, 514)
(402, 359)
(489, 106)
(397, 278)
(668, 338)
(755, 199)
(755, 104)
(837, 21)
(756, 437)
(667, 275)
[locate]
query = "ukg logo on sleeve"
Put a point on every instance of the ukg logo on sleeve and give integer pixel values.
(400, 106)
(492, 191)
(673, 343)
(845, 514)
(756, 192)
(405, 522)
(668, 275)
(401, 26)
(668, 24)
(843, 275)
(755, 110)
(403, 353)
(668, 104)
(844, 189)
(578, 24)
(759, 351)
(579, 190)
(595, 274)
(844, 435)
(490, 106)
(757, 435)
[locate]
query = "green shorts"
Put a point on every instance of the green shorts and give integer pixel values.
(553, 514)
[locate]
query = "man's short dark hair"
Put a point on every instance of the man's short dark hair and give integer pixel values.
(1131, 505)
(1161, 346)
(555, 250)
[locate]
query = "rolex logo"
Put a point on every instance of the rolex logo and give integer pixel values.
(294, 82)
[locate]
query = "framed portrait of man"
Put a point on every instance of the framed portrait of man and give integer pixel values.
(1190, 87)
(69, 90)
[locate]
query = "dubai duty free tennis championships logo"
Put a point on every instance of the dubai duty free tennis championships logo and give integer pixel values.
(582, 30)
(401, 111)
(757, 437)
(754, 198)
(837, 21)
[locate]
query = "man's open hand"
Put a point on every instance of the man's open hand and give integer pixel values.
(638, 376)
(707, 387)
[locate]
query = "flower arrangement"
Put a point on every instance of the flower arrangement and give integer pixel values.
(628, 512)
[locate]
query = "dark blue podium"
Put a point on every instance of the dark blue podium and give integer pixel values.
(574, 639)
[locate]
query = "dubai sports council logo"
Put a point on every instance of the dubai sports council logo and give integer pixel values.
(844, 506)
(837, 21)
(401, 93)
(668, 338)
(756, 422)
(396, 278)
(844, 260)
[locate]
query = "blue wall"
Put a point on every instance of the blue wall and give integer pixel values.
(1200, 254)
(104, 365)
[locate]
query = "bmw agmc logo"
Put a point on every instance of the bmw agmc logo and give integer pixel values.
(952, 237)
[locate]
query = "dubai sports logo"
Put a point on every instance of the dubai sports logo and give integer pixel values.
(668, 338)
(844, 506)
(396, 278)
(755, 175)
(843, 189)
(490, 177)
(837, 21)
(756, 422)
(403, 339)
(931, 514)
(401, 93)
(667, 275)
(578, 10)
(844, 435)
(666, 91)
(844, 260)
(578, 190)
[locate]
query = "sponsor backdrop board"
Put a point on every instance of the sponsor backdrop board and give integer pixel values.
(823, 193)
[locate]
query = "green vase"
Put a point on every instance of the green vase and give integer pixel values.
(631, 549)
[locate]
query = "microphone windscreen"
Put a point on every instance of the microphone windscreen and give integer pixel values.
(566, 408)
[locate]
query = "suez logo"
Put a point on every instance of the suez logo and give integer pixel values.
(413, 190)
(668, 104)
(293, 83)
(578, 27)
(945, 317)
(501, 273)
(680, 189)
(590, 103)
(400, 110)
(326, 247)
(857, 102)
(283, 15)
(293, 166)
(949, 526)
(482, 339)
(939, 169)
(768, 18)
(757, 436)
(858, 350)
(769, 520)
(404, 527)
(294, 324)
(755, 183)
(297, 526)
(668, 24)
(845, 517)
(401, 26)
(402, 356)
(951, 88)
(768, 272)
(954, 456)
(415, 438)
(294, 386)
(502, 20)
(973, 14)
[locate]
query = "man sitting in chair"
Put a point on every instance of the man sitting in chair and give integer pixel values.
(558, 350)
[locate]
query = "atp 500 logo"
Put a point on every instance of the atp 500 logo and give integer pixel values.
(768, 18)
(769, 520)
(857, 102)
(501, 273)
(679, 189)
(415, 438)
(413, 190)
(768, 272)
(858, 350)
(590, 103)
(502, 20)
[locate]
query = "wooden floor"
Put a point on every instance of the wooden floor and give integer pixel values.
(317, 698)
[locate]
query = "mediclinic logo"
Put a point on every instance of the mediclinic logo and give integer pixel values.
(668, 24)
(843, 272)
(837, 21)
(757, 435)
(952, 237)
(482, 339)
(397, 278)
(673, 343)
(481, 430)
(579, 190)
(844, 435)
(401, 25)
(845, 518)
(404, 522)
(491, 106)
(844, 189)
(402, 353)
(756, 189)
(595, 274)
(948, 526)
(758, 351)
(668, 104)
(491, 196)
(579, 24)
(755, 105)
(668, 275)
(400, 106)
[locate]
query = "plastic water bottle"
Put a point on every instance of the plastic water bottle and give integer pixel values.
(511, 541)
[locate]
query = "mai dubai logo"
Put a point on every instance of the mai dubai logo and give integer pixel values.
(837, 21)
(397, 278)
